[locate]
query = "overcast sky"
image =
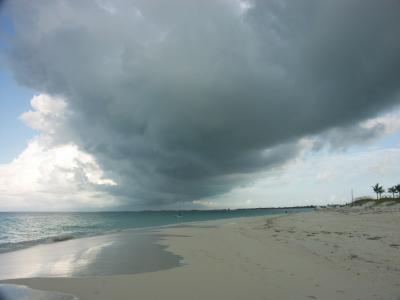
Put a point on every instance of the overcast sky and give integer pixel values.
(138, 104)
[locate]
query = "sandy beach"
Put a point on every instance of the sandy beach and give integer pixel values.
(326, 254)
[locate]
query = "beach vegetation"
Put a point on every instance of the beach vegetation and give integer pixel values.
(397, 186)
(379, 190)
(368, 201)
(392, 190)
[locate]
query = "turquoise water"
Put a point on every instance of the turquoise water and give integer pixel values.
(22, 230)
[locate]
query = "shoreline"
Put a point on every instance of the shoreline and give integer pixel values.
(101, 254)
(81, 235)
(65, 236)
(320, 255)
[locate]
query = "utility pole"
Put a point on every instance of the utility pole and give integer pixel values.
(352, 196)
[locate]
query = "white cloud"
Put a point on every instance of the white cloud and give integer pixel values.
(48, 175)
(390, 120)
(47, 116)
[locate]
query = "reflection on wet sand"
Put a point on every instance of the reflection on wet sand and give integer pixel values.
(21, 292)
(121, 253)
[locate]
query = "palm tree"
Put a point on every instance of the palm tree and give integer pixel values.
(392, 190)
(381, 191)
(378, 189)
(397, 187)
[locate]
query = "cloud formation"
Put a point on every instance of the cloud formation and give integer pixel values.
(183, 100)
(51, 176)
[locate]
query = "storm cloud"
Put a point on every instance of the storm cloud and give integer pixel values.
(184, 100)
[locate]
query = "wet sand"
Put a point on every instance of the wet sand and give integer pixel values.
(127, 252)
(21, 292)
(352, 254)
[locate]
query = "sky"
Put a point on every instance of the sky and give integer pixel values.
(186, 104)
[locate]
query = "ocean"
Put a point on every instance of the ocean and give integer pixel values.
(25, 229)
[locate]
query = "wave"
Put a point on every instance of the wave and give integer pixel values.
(10, 246)
(63, 237)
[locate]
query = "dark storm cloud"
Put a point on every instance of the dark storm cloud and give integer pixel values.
(181, 100)
(341, 138)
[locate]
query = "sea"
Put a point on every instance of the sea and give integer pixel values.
(19, 230)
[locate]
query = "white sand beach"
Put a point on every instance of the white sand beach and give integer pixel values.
(327, 254)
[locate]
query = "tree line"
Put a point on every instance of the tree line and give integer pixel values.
(379, 190)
